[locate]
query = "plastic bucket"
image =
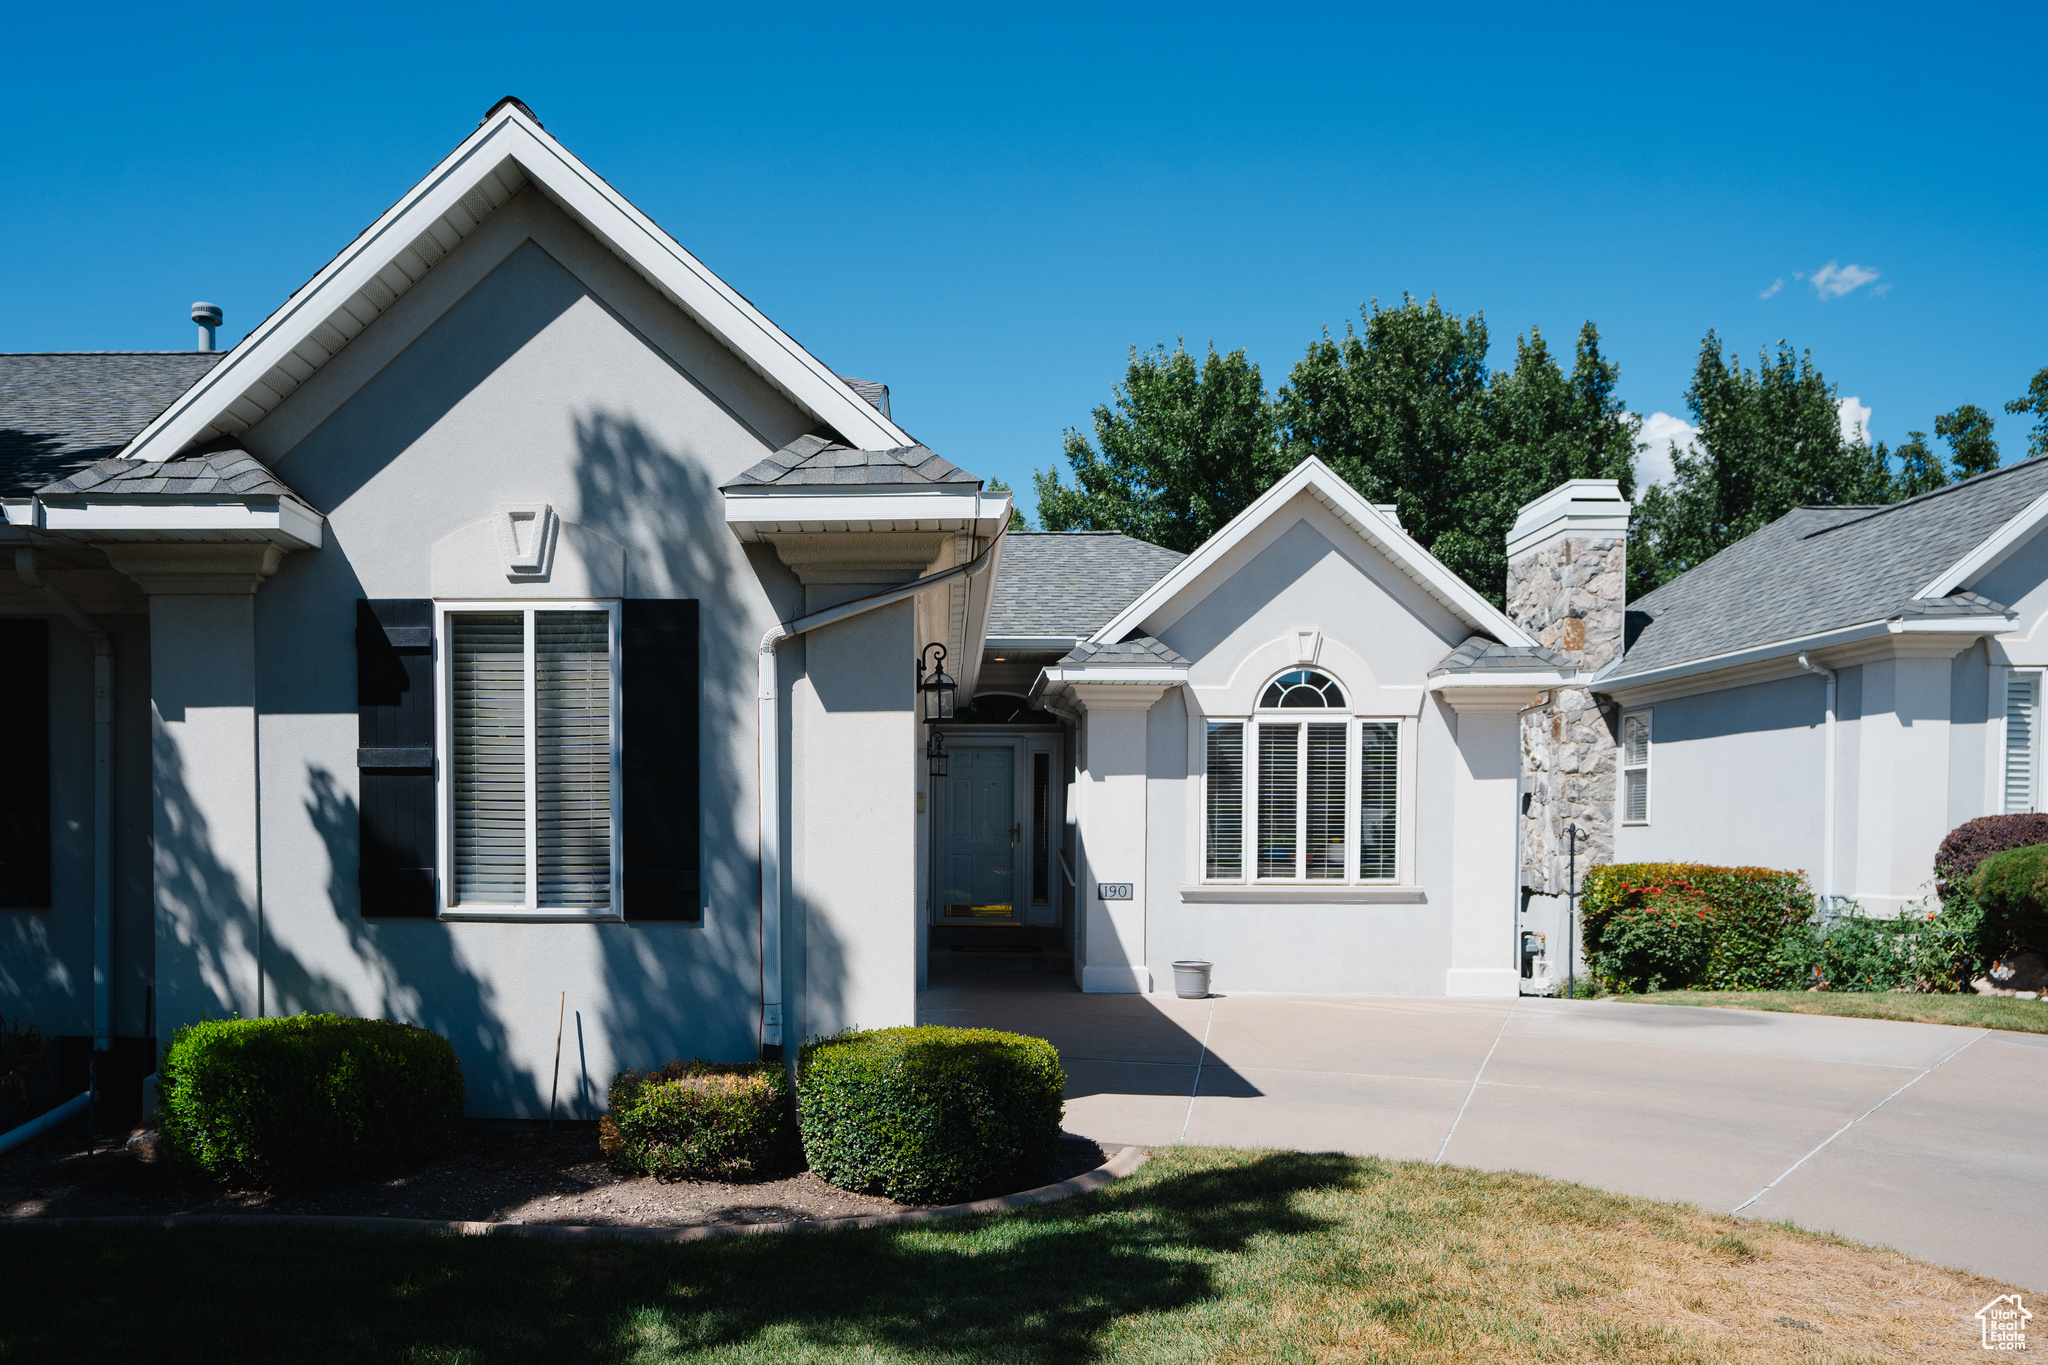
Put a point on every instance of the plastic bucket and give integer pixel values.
(1191, 980)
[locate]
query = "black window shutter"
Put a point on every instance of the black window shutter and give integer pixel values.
(395, 729)
(658, 750)
(25, 765)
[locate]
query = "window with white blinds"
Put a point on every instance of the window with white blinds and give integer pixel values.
(531, 778)
(1308, 815)
(1635, 768)
(2022, 743)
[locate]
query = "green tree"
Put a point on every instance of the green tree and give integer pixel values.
(1968, 433)
(1018, 521)
(2036, 402)
(1920, 469)
(1182, 451)
(1770, 440)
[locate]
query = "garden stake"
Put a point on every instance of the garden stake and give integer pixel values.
(555, 1085)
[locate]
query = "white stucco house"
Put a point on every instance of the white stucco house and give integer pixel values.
(517, 621)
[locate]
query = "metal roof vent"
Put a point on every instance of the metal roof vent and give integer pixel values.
(207, 315)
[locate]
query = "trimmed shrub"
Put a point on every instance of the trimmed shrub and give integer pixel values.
(2012, 888)
(701, 1120)
(281, 1103)
(1970, 843)
(931, 1115)
(1754, 921)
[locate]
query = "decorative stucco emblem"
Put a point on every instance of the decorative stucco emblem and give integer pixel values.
(526, 535)
(1307, 644)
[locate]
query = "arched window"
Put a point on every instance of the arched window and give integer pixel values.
(1303, 690)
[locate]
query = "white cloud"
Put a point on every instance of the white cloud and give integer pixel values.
(1776, 285)
(1832, 281)
(1662, 435)
(1855, 419)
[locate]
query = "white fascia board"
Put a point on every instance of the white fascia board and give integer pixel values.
(752, 514)
(1529, 680)
(284, 521)
(18, 511)
(1034, 643)
(1779, 649)
(1317, 478)
(1116, 673)
(1992, 552)
(510, 135)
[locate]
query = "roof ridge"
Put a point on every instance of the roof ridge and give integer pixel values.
(1883, 508)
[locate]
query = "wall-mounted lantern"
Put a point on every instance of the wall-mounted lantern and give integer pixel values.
(934, 686)
(935, 754)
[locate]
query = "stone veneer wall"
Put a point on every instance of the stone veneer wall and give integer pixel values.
(1569, 595)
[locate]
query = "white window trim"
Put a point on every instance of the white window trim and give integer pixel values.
(444, 790)
(1647, 716)
(1404, 789)
(2002, 681)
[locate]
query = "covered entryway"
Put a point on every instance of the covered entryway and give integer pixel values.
(998, 835)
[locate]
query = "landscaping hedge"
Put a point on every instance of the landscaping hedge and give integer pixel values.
(1693, 924)
(931, 1115)
(709, 1120)
(2012, 889)
(278, 1103)
(1970, 843)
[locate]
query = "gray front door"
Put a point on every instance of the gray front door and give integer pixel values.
(978, 836)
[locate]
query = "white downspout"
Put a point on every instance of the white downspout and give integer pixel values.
(1827, 788)
(102, 800)
(769, 784)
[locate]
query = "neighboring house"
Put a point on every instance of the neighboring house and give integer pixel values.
(518, 621)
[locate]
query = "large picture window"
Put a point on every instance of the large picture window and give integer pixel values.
(530, 787)
(1311, 789)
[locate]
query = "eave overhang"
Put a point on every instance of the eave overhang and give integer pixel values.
(151, 518)
(754, 514)
(1740, 664)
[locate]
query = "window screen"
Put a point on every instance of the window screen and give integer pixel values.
(488, 666)
(2022, 757)
(1279, 756)
(1635, 769)
(1225, 817)
(1328, 792)
(1378, 764)
(573, 715)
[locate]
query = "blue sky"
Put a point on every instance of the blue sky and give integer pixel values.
(986, 209)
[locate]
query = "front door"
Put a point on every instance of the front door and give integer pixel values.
(978, 839)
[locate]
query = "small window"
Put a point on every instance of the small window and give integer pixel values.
(1303, 689)
(531, 783)
(1041, 829)
(1378, 766)
(2022, 743)
(1635, 768)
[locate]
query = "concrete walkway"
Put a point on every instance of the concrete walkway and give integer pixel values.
(1929, 1138)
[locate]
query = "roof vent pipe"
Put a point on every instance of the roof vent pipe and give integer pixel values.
(207, 315)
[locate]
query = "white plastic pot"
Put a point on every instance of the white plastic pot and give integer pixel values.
(1191, 980)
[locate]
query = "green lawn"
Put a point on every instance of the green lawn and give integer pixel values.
(1204, 1255)
(1972, 1011)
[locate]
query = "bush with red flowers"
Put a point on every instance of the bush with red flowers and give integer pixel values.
(1693, 924)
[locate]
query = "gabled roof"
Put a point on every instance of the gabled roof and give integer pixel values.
(1139, 649)
(811, 460)
(221, 472)
(1820, 569)
(1065, 585)
(508, 151)
(1481, 655)
(1321, 482)
(61, 411)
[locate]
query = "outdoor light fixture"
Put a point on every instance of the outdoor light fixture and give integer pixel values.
(935, 687)
(935, 753)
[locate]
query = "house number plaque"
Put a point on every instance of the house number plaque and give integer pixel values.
(1113, 891)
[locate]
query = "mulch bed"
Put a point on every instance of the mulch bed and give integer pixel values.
(499, 1171)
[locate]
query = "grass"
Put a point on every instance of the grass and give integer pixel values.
(1204, 1255)
(1972, 1011)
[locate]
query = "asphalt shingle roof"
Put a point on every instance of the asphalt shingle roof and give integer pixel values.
(815, 459)
(218, 472)
(1139, 649)
(1070, 583)
(60, 412)
(1821, 568)
(1481, 655)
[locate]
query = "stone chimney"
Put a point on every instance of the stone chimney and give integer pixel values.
(1566, 567)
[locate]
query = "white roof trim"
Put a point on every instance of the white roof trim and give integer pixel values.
(1775, 649)
(1992, 552)
(1321, 482)
(752, 514)
(1534, 679)
(507, 151)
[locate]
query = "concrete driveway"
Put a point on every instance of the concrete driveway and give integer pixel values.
(1929, 1138)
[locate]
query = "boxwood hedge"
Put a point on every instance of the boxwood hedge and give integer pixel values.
(931, 1115)
(279, 1103)
(708, 1120)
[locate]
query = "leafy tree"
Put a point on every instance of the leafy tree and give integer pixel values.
(1018, 521)
(2036, 402)
(1968, 433)
(1920, 469)
(1183, 450)
(1770, 440)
